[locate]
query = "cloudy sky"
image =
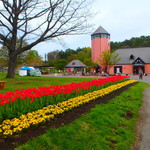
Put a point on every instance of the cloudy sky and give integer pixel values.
(122, 19)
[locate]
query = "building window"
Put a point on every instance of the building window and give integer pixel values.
(131, 56)
(95, 36)
(104, 36)
(117, 69)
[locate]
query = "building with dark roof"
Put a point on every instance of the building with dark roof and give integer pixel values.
(100, 31)
(132, 60)
(75, 66)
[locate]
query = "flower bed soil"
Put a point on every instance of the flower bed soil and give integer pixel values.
(11, 142)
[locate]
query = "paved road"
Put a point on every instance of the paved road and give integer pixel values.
(145, 79)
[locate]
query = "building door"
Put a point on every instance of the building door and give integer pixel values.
(137, 68)
(137, 65)
(117, 69)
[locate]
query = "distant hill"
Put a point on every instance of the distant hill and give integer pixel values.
(135, 42)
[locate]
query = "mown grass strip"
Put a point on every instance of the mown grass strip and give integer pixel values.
(34, 82)
(108, 126)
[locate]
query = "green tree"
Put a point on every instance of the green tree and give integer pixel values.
(33, 59)
(85, 56)
(135, 42)
(62, 54)
(58, 64)
(70, 52)
(72, 57)
(108, 59)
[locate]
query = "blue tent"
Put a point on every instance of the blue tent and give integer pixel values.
(25, 71)
(26, 68)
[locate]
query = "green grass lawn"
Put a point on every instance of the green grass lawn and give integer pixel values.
(107, 127)
(33, 82)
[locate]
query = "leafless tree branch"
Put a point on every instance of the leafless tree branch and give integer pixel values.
(40, 20)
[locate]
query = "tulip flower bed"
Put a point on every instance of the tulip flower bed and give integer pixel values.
(14, 104)
(15, 125)
(54, 90)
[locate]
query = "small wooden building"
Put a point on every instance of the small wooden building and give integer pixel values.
(75, 67)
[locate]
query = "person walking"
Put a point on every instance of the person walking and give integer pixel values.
(140, 74)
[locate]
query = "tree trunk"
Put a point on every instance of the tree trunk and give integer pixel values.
(11, 66)
(107, 68)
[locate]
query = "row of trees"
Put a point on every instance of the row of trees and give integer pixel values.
(59, 59)
(135, 42)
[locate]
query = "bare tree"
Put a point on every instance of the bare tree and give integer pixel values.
(36, 21)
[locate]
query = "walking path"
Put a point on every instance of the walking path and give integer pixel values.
(143, 142)
(145, 121)
(145, 79)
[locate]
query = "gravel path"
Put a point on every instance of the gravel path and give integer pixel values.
(145, 121)
(143, 140)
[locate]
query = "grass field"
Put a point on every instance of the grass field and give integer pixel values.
(33, 82)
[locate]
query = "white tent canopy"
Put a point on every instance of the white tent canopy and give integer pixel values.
(24, 70)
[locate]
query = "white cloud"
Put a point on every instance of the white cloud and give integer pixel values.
(122, 19)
